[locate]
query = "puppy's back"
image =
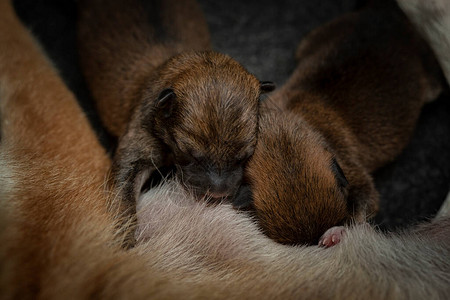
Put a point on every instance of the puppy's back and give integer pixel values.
(121, 43)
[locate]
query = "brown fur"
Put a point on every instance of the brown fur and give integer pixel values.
(196, 137)
(296, 195)
(184, 102)
(122, 42)
(357, 91)
(39, 118)
(57, 237)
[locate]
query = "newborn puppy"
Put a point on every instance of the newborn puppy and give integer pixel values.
(174, 108)
(199, 113)
(298, 188)
(121, 43)
(357, 92)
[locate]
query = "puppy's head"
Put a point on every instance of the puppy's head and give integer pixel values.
(206, 112)
(299, 190)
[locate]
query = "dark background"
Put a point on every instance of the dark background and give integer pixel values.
(263, 35)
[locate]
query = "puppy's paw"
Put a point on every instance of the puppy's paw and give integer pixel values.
(332, 236)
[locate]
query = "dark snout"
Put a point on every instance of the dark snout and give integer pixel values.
(223, 184)
(214, 183)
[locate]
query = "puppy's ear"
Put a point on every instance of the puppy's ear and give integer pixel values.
(165, 102)
(266, 86)
(339, 174)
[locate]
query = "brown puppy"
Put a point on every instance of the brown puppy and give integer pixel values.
(357, 92)
(122, 42)
(299, 190)
(197, 111)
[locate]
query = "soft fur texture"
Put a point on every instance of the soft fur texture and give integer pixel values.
(296, 195)
(421, 171)
(361, 82)
(357, 92)
(59, 240)
(171, 102)
(120, 49)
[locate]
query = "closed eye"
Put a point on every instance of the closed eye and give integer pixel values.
(339, 174)
(242, 159)
(197, 157)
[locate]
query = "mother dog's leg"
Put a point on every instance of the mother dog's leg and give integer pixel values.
(57, 237)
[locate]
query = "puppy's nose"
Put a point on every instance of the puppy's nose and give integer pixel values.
(219, 186)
